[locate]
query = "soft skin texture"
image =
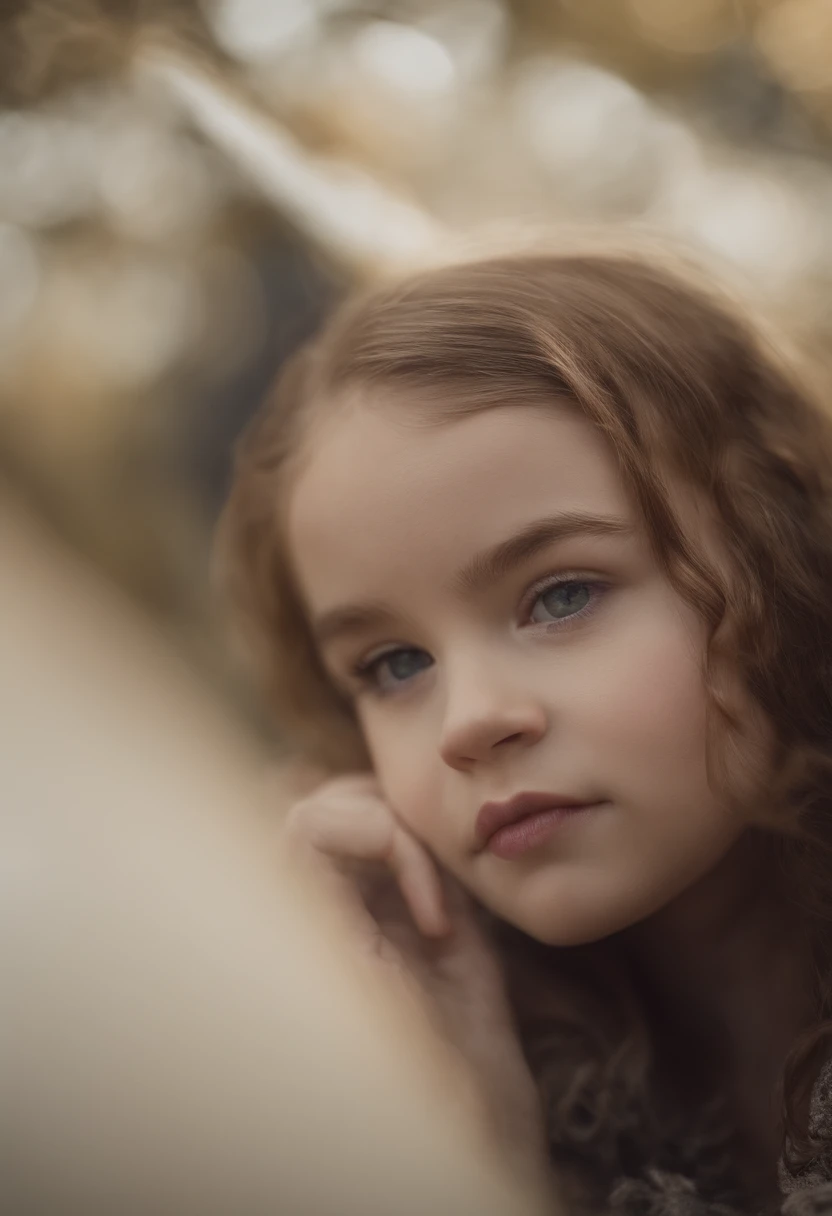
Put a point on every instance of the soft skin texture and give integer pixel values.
(593, 691)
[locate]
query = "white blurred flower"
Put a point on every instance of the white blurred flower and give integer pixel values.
(405, 58)
(475, 33)
(46, 168)
(752, 219)
(589, 130)
(156, 185)
(258, 30)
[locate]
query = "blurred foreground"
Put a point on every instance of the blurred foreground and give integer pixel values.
(181, 1029)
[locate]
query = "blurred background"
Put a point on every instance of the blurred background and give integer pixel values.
(187, 186)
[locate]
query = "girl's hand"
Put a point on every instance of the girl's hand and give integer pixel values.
(422, 928)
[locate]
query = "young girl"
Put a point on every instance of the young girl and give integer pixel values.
(539, 554)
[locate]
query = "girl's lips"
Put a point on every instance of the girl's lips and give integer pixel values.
(527, 833)
(496, 816)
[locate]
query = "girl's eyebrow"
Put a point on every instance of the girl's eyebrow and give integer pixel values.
(349, 621)
(483, 569)
(493, 564)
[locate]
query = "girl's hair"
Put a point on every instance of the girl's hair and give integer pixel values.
(682, 386)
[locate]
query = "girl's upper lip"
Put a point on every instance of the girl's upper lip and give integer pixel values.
(495, 815)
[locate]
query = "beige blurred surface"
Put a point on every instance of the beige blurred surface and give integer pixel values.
(181, 1031)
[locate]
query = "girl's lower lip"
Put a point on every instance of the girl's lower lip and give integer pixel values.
(517, 838)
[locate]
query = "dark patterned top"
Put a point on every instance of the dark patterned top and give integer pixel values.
(806, 1193)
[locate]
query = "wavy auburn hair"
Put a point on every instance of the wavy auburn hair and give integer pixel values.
(683, 387)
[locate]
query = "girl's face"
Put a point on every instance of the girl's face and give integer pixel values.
(485, 592)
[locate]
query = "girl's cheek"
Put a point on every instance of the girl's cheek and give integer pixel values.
(408, 784)
(394, 762)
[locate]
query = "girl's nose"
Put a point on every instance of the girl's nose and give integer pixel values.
(488, 722)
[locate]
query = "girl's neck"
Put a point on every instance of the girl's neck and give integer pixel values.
(724, 969)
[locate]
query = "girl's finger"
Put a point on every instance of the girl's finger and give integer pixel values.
(419, 882)
(351, 828)
(348, 827)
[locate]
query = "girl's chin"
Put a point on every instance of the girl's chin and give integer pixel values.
(577, 927)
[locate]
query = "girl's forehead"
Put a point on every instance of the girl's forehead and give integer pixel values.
(370, 455)
(379, 485)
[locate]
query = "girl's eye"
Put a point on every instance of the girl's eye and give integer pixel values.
(390, 670)
(561, 600)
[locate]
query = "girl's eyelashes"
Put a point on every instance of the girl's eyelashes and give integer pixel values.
(562, 600)
(389, 670)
